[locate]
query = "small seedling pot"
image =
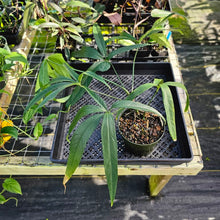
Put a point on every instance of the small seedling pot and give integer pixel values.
(141, 149)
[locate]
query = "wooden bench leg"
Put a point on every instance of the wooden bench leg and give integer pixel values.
(157, 182)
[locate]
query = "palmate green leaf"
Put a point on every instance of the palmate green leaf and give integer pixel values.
(38, 130)
(48, 94)
(96, 98)
(109, 148)
(169, 109)
(61, 79)
(78, 91)
(62, 68)
(139, 90)
(125, 49)
(123, 104)
(84, 111)
(87, 52)
(96, 76)
(9, 130)
(11, 185)
(101, 66)
(180, 85)
(123, 36)
(99, 39)
(78, 144)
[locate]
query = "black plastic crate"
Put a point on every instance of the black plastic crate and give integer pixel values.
(166, 152)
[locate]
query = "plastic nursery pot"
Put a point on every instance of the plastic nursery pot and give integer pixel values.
(140, 133)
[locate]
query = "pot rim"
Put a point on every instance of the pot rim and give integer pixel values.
(141, 145)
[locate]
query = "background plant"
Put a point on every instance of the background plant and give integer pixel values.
(10, 15)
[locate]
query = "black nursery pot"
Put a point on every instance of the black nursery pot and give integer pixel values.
(145, 148)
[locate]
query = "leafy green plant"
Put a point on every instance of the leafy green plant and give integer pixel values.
(10, 15)
(67, 21)
(56, 75)
(12, 186)
(8, 61)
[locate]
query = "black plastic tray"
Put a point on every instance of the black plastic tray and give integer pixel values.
(166, 152)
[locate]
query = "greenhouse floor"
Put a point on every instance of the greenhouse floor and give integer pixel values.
(184, 197)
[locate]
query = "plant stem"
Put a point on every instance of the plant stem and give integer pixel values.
(19, 129)
(105, 94)
(117, 75)
(2, 191)
(133, 67)
(116, 84)
(152, 97)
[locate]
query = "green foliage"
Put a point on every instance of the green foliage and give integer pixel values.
(12, 186)
(9, 131)
(10, 15)
(56, 75)
(110, 153)
(9, 59)
(38, 130)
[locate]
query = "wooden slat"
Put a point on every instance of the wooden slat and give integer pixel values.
(157, 183)
(191, 168)
(10, 87)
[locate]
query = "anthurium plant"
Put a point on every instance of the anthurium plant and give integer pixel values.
(56, 75)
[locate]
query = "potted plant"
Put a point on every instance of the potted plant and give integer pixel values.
(66, 20)
(11, 19)
(56, 75)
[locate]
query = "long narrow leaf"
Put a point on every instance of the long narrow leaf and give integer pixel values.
(78, 144)
(52, 90)
(43, 76)
(87, 52)
(99, 39)
(109, 148)
(180, 85)
(81, 4)
(125, 49)
(84, 111)
(78, 92)
(135, 105)
(96, 76)
(158, 13)
(96, 98)
(139, 90)
(169, 109)
(61, 67)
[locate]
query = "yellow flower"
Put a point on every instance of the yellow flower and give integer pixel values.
(5, 137)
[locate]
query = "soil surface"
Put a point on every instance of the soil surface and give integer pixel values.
(140, 127)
